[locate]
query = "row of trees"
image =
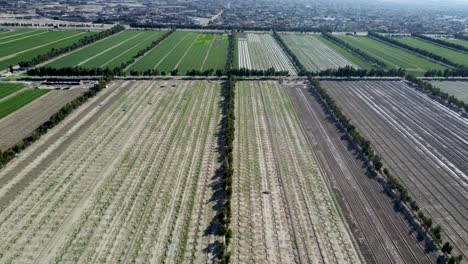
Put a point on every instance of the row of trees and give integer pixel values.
(349, 71)
(375, 161)
(228, 170)
(413, 49)
(437, 93)
(80, 43)
(371, 59)
(249, 72)
(74, 71)
(458, 72)
(55, 119)
(441, 42)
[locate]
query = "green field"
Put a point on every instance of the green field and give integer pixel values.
(392, 56)
(463, 43)
(452, 55)
(186, 51)
(33, 43)
(19, 100)
(344, 52)
(110, 52)
(458, 89)
(9, 88)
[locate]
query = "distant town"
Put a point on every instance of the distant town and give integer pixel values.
(247, 14)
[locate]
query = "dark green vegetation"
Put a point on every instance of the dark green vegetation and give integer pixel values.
(9, 88)
(9, 154)
(58, 51)
(392, 56)
(19, 100)
(27, 44)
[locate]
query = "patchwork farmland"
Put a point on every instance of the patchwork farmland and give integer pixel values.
(458, 89)
(262, 52)
(185, 51)
(452, 55)
(394, 57)
(427, 151)
(22, 45)
(94, 190)
(282, 208)
(313, 53)
(110, 52)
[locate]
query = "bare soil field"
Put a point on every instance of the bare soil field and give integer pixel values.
(282, 210)
(23, 122)
(131, 176)
(421, 141)
(384, 233)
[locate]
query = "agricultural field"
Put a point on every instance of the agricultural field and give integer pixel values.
(24, 121)
(23, 45)
(452, 55)
(15, 96)
(282, 209)
(93, 190)
(394, 57)
(383, 233)
(458, 89)
(110, 52)
(185, 51)
(262, 52)
(313, 53)
(345, 53)
(458, 41)
(421, 141)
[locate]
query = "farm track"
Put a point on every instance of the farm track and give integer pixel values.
(102, 199)
(278, 217)
(435, 176)
(383, 234)
(23, 122)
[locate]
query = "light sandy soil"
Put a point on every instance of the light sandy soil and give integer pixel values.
(130, 176)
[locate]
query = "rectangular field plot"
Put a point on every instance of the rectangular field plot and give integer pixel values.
(16, 100)
(262, 52)
(110, 52)
(452, 55)
(282, 210)
(185, 51)
(131, 176)
(458, 42)
(313, 53)
(28, 44)
(7, 89)
(383, 234)
(421, 141)
(458, 89)
(394, 57)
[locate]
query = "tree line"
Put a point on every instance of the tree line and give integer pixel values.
(228, 170)
(55, 119)
(370, 59)
(80, 43)
(376, 163)
(441, 42)
(437, 93)
(350, 71)
(457, 72)
(413, 49)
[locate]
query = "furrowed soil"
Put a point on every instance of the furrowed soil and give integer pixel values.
(423, 143)
(131, 176)
(282, 210)
(383, 229)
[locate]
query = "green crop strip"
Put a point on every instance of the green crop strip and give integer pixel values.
(16, 102)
